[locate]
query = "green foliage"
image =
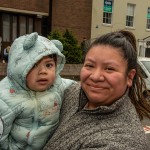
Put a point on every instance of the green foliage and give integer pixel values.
(72, 50)
(55, 35)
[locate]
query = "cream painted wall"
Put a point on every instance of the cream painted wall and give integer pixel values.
(119, 18)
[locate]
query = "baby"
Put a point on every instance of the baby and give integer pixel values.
(31, 94)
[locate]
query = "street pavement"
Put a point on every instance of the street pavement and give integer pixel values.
(146, 125)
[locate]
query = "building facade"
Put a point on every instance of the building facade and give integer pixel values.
(21, 17)
(74, 15)
(93, 18)
(86, 19)
(131, 15)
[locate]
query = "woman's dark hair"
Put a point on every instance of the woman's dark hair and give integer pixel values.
(125, 42)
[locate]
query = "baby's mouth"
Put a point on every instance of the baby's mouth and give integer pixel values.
(42, 81)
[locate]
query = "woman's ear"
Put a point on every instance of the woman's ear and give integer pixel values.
(130, 77)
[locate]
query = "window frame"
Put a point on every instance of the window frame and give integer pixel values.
(107, 15)
(148, 19)
(14, 25)
(130, 15)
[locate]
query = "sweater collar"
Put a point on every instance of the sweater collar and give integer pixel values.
(101, 109)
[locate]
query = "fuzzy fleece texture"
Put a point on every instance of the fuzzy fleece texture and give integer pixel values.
(115, 127)
(28, 118)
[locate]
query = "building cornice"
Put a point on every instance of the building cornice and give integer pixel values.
(24, 11)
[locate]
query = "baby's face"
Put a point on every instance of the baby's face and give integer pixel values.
(42, 75)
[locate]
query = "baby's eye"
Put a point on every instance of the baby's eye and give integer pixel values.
(49, 65)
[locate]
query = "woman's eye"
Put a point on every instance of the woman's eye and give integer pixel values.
(109, 68)
(88, 65)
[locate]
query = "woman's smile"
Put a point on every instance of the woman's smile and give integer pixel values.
(96, 87)
(103, 75)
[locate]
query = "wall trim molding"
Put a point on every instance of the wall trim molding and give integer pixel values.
(24, 11)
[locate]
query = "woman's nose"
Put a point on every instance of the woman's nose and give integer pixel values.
(97, 75)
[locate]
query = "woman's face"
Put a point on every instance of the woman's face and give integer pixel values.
(103, 76)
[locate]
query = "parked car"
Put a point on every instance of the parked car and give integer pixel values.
(144, 64)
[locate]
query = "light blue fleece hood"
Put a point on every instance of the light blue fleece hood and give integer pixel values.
(26, 51)
(29, 118)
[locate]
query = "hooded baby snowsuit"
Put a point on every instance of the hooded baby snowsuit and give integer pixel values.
(29, 118)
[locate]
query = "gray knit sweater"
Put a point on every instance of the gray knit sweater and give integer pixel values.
(116, 127)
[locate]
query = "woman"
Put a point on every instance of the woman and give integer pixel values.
(104, 112)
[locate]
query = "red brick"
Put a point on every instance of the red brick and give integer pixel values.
(30, 5)
(74, 15)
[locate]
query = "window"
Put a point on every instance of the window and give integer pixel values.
(148, 18)
(30, 30)
(14, 27)
(107, 11)
(26, 25)
(130, 15)
(6, 27)
(107, 18)
(22, 21)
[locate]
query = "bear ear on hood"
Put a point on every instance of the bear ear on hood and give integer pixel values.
(30, 40)
(58, 44)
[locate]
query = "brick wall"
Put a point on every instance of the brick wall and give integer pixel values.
(30, 5)
(3, 70)
(71, 71)
(74, 15)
